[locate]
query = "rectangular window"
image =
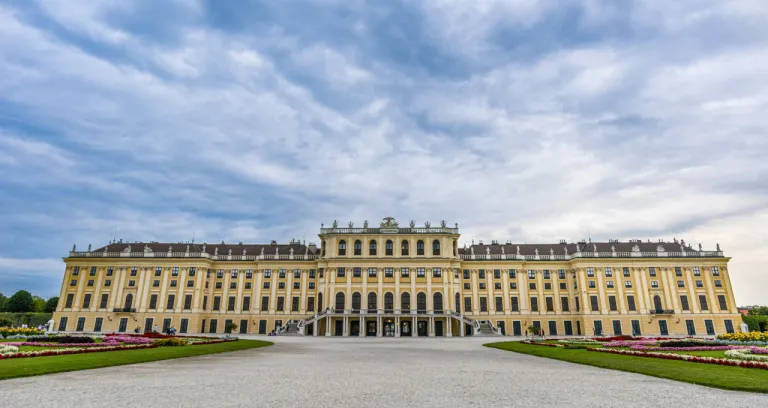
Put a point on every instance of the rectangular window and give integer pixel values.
(608, 272)
(233, 273)
(631, 303)
(87, 301)
(321, 272)
(546, 274)
(617, 327)
(609, 284)
(467, 304)
(371, 272)
(281, 274)
(107, 283)
(73, 282)
(311, 285)
(728, 325)
(564, 304)
(295, 304)
(699, 284)
(175, 271)
(340, 272)
(266, 285)
(591, 284)
(187, 302)
(80, 324)
(311, 304)
(534, 304)
(219, 286)
(497, 274)
(97, 325)
(515, 304)
(481, 274)
(684, 303)
(628, 284)
(636, 328)
(703, 302)
(436, 272)
(110, 271)
(63, 323)
(214, 325)
(134, 270)
(593, 303)
(158, 271)
(497, 285)
(389, 273)
(531, 274)
(612, 303)
(512, 274)
(590, 272)
(190, 283)
(710, 326)
(552, 328)
(171, 302)
(654, 284)
(625, 270)
(550, 304)
(420, 272)
(483, 304)
(404, 272)
(513, 285)
(532, 286)
(90, 282)
(148, 324)
(205, 302)
(547, 286)
(152, 301)
(716, 272)
(233, 285)
(561, 274)
(246, 303)
(231, 304)
(680, 284)
(156, 283)
(696, 271)
(718, 284)
(482, 285)
(174, 283)
(467, 286)
(217, 303)
(93, 271)
(691, 327)
(280, 303)
(356, 273)
(652, 271)
(297, 273)
(220, 274)
(131, 283)
(104, 301)
(576, 303)
(265, 303)
(499, 304)
(75, 271)
(268, 273)
(678, 271)
(191, 271)
(723, 302)
(281, 285)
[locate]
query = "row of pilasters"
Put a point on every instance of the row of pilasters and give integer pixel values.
(329, 323)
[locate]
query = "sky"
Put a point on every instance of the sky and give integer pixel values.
(522, 120)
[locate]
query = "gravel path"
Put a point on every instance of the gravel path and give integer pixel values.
(370, 372)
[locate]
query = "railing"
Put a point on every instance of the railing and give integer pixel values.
(206, 255)
(390, 230)
(577, 255)
(662, 311)
(124, 310)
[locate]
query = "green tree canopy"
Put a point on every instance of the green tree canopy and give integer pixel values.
(21, 302)
(39, 304)
(50, 305)
(3, 302)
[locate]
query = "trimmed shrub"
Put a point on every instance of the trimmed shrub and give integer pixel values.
(61, 339)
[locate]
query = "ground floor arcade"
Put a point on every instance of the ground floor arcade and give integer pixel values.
(387, 326)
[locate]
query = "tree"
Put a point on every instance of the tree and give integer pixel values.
(229, 327)
(759, 311)
(21, 302)
(3, 302)
(51, 304)
(39, 304)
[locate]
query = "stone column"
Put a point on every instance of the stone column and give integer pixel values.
(328, 327)
(431, 327)
(378, 325)
(314, 328)
(449, 328)
(397, 327)
(362, 326)
(346, 326)
(414, 327)
(461, 328)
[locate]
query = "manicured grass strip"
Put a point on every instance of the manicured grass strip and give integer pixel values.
(711, 375)
(24, 367)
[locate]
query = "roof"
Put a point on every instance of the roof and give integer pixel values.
(560, 249)
(223, 248)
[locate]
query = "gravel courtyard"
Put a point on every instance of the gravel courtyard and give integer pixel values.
(369, 372)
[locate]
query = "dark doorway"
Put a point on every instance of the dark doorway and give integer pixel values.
(389, 328)
(355, 328)
(501, 327)
(309, 330)
(663, 328)
(516, 329)
(370, 328)
(439, 328)
(405, 328)
(123, 325)
(467, 329)
(422, 328)
(338, 328)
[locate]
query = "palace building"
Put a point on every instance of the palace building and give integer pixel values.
(399, 281)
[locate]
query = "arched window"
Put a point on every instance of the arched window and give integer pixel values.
(358, 247)
(435, 248)
(419, 247)
(389, 248)
(340, 302)
(437, 302)
(657, 303)
(342, 247)
(455, 248)
(405, 302)
(404, 248)
(457, 306)
(320, 302)
(421, 302)
(372, 248)
(389, 302)
(128, 301)
(372, 302)
(356, 301)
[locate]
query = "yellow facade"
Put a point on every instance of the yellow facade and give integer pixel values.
(396, 281)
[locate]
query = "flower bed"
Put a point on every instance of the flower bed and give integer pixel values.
(74, 350)
(686, 357)
(749, 354)
(29, 331)
(214, 341)
(629, 343)
(750, 336)
(109, 341)
(540, 343)
(694, 348)
(579, 341)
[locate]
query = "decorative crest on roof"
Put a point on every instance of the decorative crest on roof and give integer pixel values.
(635, 248)
(388, 222)
(660, 248)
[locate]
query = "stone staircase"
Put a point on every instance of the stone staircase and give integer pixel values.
(290, 328)
(485, 329)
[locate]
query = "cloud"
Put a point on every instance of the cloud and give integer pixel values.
(517, 120)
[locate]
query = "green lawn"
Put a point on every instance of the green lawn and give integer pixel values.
(24, 367)
(731, 378)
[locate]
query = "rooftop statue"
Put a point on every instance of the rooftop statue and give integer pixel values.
(388, 222)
